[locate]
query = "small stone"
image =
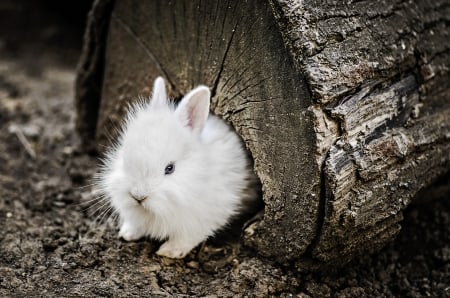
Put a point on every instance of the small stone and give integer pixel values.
(40, 268)
(59, 204)
(192, 264)
(9, 214)
(58, 221)
(31, 130)
(68, 150)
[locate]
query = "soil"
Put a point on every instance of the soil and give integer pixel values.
(53, 244)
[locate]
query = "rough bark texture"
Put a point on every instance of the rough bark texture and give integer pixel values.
(344, 107)
(379, 76)
(90, 70)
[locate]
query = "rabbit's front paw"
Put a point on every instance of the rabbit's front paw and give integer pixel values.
(129, 233)
(174, 250)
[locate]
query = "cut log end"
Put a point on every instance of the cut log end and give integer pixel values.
(345, 111)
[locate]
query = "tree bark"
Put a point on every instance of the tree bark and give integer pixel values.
(344, 107)
(90, 71)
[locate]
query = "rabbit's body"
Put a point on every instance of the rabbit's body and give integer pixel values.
(176, 173)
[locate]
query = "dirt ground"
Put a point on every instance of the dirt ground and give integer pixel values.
(51, 245)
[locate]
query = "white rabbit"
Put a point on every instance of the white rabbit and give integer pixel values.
(177, 173)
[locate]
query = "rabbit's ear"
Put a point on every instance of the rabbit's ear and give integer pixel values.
(159, 97)
(193, 109)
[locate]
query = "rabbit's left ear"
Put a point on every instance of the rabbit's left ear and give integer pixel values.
(193, 109)
(159, 96)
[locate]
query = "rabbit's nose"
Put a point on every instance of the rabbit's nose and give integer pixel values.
(138, 198)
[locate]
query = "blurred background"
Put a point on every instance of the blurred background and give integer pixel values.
(43, 25)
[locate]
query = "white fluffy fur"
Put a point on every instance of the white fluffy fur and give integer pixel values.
(204, 191)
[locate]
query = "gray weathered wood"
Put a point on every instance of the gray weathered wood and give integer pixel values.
(344, 106)
(378, 72)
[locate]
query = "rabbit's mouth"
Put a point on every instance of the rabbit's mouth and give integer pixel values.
(138, 198)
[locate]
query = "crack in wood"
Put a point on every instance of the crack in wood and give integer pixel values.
(249, 86)
(216, 81)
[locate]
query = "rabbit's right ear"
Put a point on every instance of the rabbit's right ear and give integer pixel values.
(159, 97)
(193, 109)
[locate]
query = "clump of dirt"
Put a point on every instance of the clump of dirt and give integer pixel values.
(51, 245)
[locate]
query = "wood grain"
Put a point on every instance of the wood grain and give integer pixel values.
(345, 107)
(235, 48)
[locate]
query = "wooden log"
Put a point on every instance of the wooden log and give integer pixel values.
(344, 107)
(90, 71)
(379, 73)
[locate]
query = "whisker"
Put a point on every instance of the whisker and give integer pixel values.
(105, 214)
(101, 196)
(112, 218)
(88, 204)
(97, 219)
(99, 208)
(95, 208)
(116, 217)
(86, 200)
(85, 186)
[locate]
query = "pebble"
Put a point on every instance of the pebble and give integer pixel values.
(59, 204)
(193, 264)
(58, 221)
(68, 150)
(31, 130)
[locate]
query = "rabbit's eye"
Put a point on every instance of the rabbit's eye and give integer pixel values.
(169, 168)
